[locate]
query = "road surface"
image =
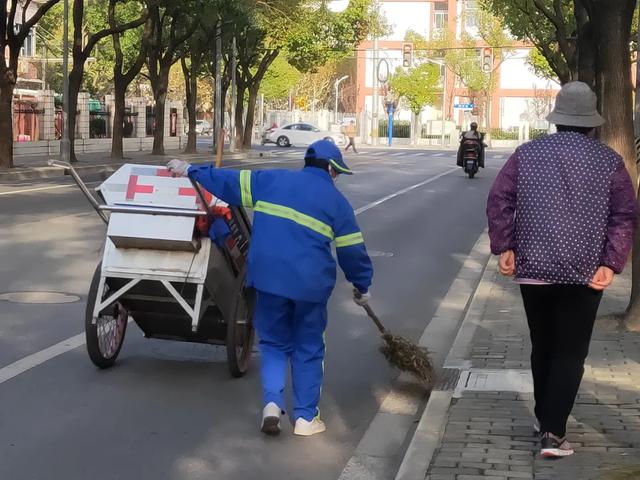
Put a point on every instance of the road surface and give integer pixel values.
(170, 410)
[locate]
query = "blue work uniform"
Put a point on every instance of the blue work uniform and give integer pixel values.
(298, 215)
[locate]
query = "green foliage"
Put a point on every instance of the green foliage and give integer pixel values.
(279, 80)
(319, 35)
(98, 78)
(417, 86)
(527, 21)
(540, 65)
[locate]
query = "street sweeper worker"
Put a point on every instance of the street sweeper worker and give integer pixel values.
(298, 215)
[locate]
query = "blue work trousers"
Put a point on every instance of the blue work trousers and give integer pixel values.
(291, 332)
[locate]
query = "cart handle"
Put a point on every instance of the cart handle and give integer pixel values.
(171, 212)
(94, 203)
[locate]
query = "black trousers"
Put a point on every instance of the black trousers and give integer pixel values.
(352, 143)
(561, 319)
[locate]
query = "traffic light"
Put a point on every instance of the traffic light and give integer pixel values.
(407, 55)
(487, 60)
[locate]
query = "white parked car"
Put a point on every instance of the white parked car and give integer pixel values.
(300, 134)
(203, 127)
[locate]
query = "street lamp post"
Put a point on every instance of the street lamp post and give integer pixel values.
(337, 84)
(65, 143)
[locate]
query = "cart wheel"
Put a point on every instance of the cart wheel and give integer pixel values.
(105, 338)
(240, 335)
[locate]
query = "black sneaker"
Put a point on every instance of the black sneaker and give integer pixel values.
(553, 447)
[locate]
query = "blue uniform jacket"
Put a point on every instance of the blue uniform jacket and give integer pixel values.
(297, 217)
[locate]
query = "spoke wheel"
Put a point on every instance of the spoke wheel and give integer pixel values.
(106, 336)
(240, 337)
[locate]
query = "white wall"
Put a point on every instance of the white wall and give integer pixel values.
(405, 16)
(393, 57)
(516, 73)
(513, 110)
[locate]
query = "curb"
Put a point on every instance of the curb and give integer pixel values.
(35, 173)
(383, 445)
(432, 424)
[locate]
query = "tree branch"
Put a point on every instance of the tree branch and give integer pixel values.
(96, 37)
(29, 24)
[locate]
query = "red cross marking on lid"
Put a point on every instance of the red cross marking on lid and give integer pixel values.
(133, 188)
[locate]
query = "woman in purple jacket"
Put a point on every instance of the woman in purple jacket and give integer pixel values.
(562, 215)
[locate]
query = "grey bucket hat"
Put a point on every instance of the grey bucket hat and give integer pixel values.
(576, 106)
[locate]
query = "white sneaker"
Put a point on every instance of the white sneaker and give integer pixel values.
(271, 419)
(305, 428)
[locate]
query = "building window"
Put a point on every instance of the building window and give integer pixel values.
(28, 48)
(471, 14)
(440, 20)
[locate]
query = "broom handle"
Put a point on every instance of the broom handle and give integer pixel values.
(375, 318)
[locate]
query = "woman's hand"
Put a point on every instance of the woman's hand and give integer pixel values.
(507, 263)
(602, 279)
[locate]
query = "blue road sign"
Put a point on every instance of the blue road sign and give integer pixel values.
(464, 106)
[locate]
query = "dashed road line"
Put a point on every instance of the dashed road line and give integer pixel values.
(31, 361)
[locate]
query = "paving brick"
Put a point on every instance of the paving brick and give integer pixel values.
(489, 433)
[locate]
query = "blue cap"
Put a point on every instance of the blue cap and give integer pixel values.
(328, 151)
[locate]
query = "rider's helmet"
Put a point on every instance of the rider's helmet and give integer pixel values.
(474, 126)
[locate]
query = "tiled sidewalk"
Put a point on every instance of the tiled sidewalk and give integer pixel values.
(488, 433)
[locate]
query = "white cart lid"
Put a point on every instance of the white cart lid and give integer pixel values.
(149, 186)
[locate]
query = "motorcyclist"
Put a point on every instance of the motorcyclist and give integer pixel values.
(472, 135)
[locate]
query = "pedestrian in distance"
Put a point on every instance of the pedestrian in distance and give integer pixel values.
(562, 215)
(298, 215)
(350, 132)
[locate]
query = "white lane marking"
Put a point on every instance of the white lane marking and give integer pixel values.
(31, 361)
(438, 154)
(56, 187)
(371, 205)
(27, 363)
(40, 189)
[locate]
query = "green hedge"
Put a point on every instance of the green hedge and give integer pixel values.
(502, 134)
(401, 129)
(536, 133)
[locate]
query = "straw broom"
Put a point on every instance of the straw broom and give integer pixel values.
(403, 354)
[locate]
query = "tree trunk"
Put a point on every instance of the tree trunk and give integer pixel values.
(160, 96)
(615, 94)
(414, 128)
(117, 150)
(191, 89)
(248, 124)
(75, 83)
(6, 121)
(586, 50)
(240, 117)
(615, 91)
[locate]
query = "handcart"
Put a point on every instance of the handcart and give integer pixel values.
(160, 269)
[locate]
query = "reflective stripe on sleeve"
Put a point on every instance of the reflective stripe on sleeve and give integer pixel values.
(295, 216)
(349, 240)
(245, 188)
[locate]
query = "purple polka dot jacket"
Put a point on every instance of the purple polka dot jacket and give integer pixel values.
(566, 205)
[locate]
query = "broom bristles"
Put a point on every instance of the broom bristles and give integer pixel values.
(408, 357)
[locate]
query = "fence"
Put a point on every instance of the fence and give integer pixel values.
(27, 122)
(99, 124)
(151, 121)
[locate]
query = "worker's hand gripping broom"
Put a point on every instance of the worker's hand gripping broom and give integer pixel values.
(403, 354)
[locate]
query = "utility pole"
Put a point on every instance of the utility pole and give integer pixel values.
(65, 143)
(374, 137)
(232, 120)
(337, 85)
(444, 102)
(218, 90)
